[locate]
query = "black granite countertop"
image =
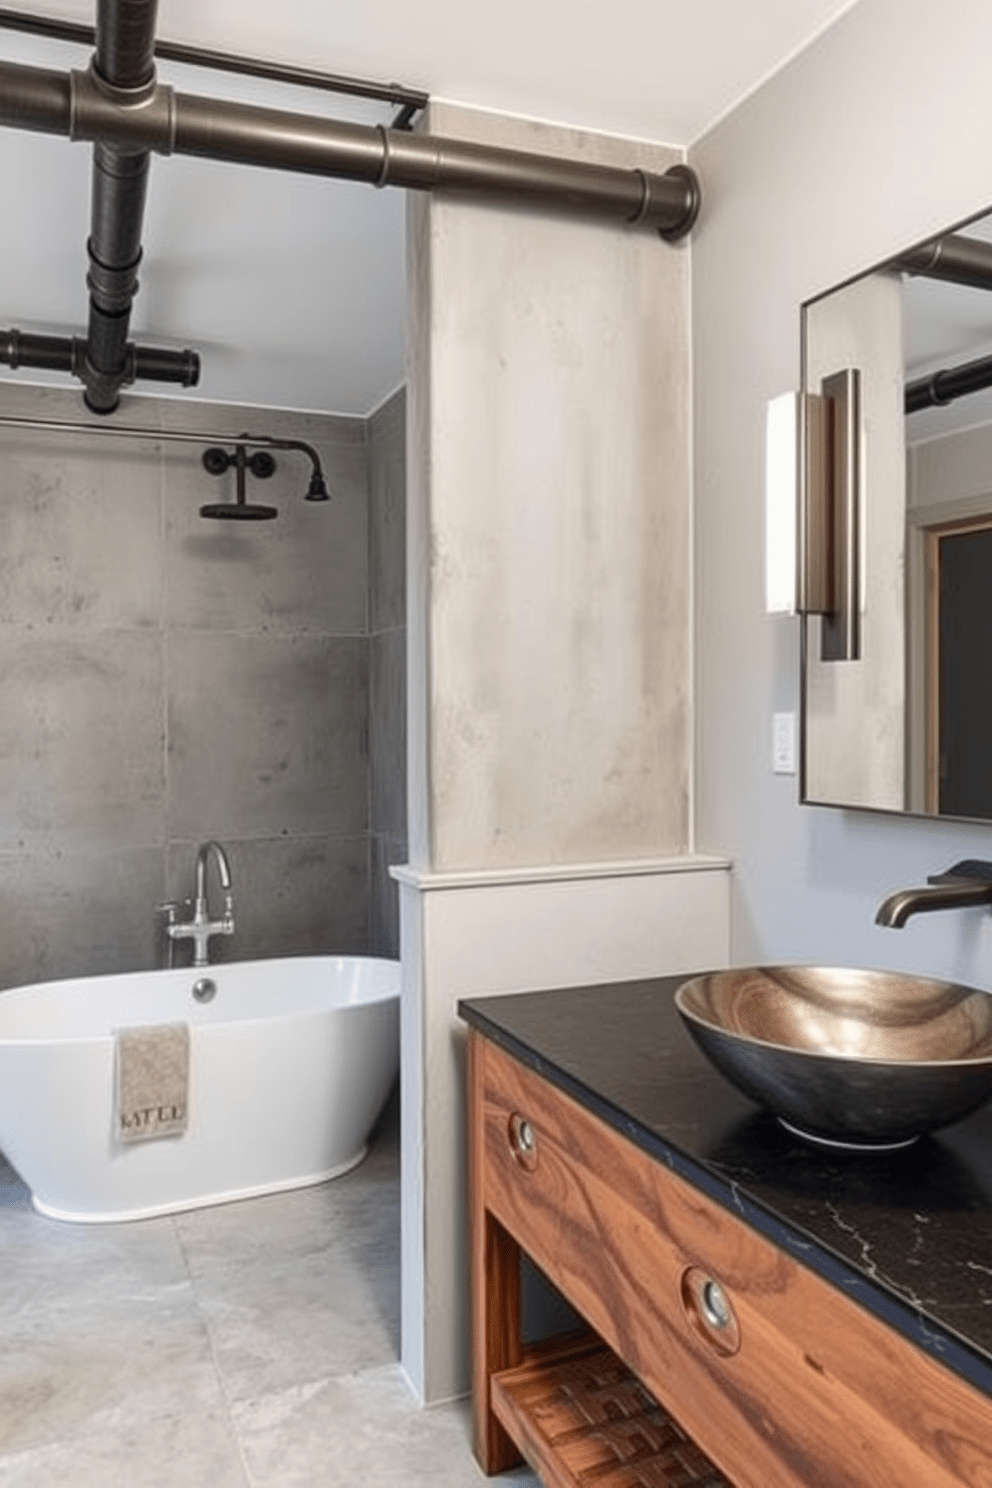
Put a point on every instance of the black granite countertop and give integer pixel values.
(907, 1234)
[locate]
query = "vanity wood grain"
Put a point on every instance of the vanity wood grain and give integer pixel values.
(818, 1392)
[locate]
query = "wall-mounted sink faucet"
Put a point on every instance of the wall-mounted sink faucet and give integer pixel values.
(961, 886)
(201, 927)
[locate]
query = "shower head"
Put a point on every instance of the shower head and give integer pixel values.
(238, 511)
(317, 490)
(261, 464)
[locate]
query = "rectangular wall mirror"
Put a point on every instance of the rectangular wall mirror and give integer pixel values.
(907, 725)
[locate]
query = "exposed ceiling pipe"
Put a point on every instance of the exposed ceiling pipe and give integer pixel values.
(68, 354)
(123, 69)
(409, 101)
(76, 105)
(120, 107)
(944, 386)
(955, 258)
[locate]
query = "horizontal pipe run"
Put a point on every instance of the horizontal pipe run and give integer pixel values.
(955, 259)
(35, 98)
(938, 388)
(68, 354)
(410, 100)
(242, 134)
(167, 436)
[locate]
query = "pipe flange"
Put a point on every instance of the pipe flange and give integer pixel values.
(694, 199)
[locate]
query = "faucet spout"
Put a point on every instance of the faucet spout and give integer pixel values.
(962, 886)
(201, 927)
(204, 852)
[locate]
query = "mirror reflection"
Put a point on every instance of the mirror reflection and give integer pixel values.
(907, 726)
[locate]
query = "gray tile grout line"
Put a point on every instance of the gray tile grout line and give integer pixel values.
(232, 1425)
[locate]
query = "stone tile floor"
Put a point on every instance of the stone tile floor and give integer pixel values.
(252, 1345)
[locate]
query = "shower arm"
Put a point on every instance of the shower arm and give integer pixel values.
(318, 488)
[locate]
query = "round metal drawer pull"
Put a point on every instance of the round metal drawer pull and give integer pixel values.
(523, 1141)
(716, 1308)
(710, 1311)
(205, 990)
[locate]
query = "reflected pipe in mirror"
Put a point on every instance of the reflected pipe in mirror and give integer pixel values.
(907, 727)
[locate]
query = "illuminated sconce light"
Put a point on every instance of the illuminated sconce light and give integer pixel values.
(812, 510)
(782, 503)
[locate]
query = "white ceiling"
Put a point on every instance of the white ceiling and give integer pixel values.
(291, 288)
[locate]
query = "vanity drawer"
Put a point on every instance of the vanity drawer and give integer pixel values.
(781, 1380)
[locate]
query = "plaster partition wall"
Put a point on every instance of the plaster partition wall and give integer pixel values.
(820, 175)
(549, 641)
(165, 679)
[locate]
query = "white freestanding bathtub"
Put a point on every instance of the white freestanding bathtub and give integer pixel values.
(290, 1063)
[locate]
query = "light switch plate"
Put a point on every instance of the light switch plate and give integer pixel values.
(784, 743)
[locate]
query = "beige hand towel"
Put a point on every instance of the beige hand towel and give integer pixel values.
(152, 1081)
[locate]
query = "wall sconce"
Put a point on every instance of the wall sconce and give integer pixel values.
(812, 510)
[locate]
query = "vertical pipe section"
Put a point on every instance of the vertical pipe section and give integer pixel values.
(123, 67)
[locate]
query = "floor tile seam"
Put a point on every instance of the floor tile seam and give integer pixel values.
(225, 1379)
(223, 1386)
(219, 1373)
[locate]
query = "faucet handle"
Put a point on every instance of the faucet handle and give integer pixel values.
(978, 870)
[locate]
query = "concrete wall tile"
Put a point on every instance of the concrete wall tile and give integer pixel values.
(304, 572)
(81, 537)
(385, 905)
(68, 914)
(387, 733)
(387, 506)
(81, 748)
(267, 735)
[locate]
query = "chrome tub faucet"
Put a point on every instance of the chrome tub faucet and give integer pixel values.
(201, 927)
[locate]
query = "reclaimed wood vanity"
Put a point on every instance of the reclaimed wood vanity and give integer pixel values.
(761, 1312)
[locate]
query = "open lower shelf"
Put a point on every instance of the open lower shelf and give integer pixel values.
(581, 1418)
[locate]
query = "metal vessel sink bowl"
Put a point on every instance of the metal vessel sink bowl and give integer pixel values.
(868, 1060)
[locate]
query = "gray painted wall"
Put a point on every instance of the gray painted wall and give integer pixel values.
(164, 679)
(824, 172)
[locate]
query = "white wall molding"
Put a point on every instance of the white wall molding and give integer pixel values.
(427, 881)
